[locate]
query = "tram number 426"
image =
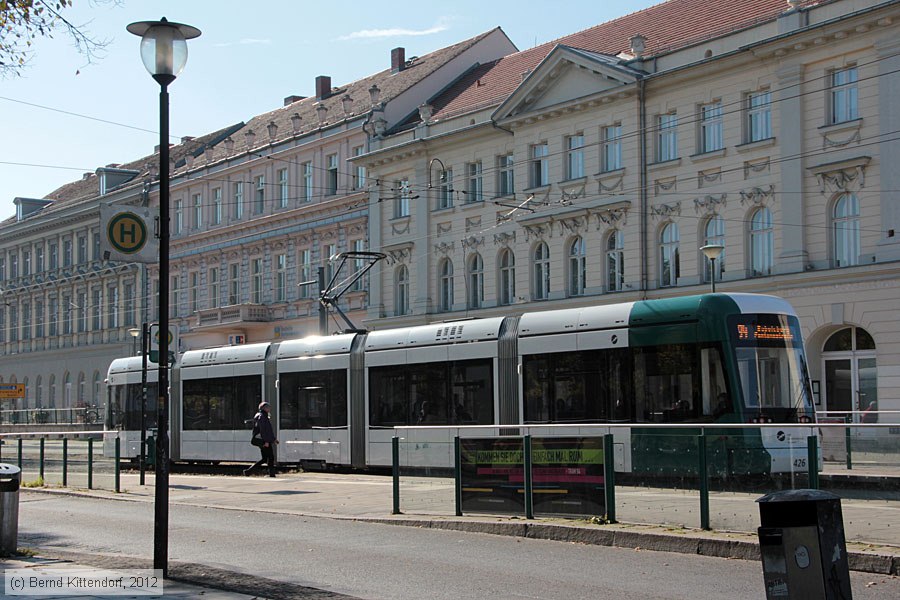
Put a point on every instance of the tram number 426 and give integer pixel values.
(799, 463)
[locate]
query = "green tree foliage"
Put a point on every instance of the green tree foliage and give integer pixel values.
(23, 22)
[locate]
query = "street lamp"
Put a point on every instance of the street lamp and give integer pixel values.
(164, 54)
(134, 332)
(712, 252)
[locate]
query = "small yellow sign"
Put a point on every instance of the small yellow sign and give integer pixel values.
(12, 391)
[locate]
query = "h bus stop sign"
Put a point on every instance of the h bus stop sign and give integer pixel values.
(128, 234)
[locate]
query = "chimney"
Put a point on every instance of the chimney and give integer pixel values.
(398, 60)
(323, 87)
(288, 100)
(638, 45)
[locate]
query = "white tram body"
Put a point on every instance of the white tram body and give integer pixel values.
(572, 330)
(328, 444)
(196, 441)
(435, 343)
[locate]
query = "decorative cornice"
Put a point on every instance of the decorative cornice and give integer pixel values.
(709, 176)
(666, 210)
(535, 231)
(756, 166)
(399, 255)
(612, 217)
(661, 186)
(472, 242)
(445, 248)
(504, 238)
(843, 176)
(709, 204)
(400, 228)
(757, 196)
(572, 224)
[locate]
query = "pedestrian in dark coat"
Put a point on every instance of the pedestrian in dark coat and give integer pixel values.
(263, 431)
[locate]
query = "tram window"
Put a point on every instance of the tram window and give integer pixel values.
(432, 394)
(666, 382)
(389, 399)
(428, 388)
(195, 404)
(245, 401)
(575, 387)
(315, 399)
(219, 404)
(472, 391)
(220, 397)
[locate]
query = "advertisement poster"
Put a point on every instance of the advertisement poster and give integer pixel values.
(567, 476)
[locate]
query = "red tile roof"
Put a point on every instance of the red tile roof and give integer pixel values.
(667, 26)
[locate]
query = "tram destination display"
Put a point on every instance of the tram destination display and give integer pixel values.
(567, 475)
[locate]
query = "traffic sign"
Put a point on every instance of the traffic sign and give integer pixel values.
(12, 391)
(128, 234)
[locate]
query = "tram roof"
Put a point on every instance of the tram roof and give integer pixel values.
(435, 334)
(130, 364)
(316, 345)
(225, 355)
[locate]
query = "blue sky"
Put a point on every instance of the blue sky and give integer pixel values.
(72, 117)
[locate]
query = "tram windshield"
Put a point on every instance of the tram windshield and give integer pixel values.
(771, 367)
(124, 407)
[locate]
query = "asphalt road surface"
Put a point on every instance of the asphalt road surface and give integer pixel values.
(383, 561)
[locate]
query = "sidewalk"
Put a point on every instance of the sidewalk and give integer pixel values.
(430, 502)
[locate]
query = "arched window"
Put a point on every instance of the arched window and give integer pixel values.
(446, 285)
(95, 389)
(541, 272)
(714, 235)
(67, 391)
(38, 392)
(845, 231)
(507, 277)
(577, 267)
(762, 243)
(669, 269)
(476, 281)
(51, 393)
(615, 261)
(402, 292)
(82, 391)
(27, 394)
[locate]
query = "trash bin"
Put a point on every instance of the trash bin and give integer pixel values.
(801, 542)
(10, 478)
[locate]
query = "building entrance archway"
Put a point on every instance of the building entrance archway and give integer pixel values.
(850, 373)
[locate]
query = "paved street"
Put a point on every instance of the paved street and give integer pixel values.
(377, 561)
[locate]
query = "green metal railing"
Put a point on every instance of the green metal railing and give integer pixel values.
(54, 450)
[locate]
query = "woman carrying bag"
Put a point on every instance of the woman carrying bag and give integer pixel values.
(264, 439)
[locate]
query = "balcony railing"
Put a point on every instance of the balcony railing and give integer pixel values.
(237, 313)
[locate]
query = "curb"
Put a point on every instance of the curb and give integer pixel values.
(610, 535)
(883, 564)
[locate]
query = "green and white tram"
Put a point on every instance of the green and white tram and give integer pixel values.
(693, 360)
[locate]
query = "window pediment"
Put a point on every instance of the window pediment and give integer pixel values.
(842, 176)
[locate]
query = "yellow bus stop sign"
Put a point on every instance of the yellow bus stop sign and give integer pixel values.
(127, 233)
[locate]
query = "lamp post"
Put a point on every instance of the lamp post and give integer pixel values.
(134, 332)
(712, 252)
(164, 54)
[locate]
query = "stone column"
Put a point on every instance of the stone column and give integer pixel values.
(789, 103)
(888, 50)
